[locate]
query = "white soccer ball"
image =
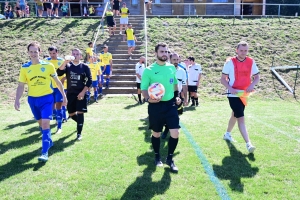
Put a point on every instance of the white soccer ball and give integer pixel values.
(156, 91)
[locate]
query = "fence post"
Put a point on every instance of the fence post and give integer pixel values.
(279, 10)
(70, 9)
(189, 9)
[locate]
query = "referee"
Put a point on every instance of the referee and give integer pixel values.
(79, 79)
(162, 111)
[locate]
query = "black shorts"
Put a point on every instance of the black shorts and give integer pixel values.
(55, 6)
(192, 88)
(237, 106)
(138, 85)
(48, 5)
(76, 105)
(164, 112)
(111, 23)
(116, 6)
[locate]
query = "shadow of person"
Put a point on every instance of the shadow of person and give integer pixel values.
(189, 108)
(25, 123)
(18, 164)
(144, 187)
(235, 167)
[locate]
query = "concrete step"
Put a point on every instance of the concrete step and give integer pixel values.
(124, 62)
(123, 51)
(115, 46)
(123, 77)
(118, 83)
(120, 90)
(124, 71)
(126, 56)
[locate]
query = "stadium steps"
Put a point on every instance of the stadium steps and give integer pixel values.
(123, 75)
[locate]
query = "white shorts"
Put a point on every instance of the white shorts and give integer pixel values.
(124, 20)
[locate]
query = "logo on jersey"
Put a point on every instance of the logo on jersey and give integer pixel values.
(156, 72)
(59, 63)
(43, 69)
(171, 80)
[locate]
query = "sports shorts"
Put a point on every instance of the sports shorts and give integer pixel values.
(107, 70)
(76, 105)
(237, 106)
(138, 85)
(192, 88)
(94, 84)
(57, 95)
(124, 20)
(41, 107)
(130, 43)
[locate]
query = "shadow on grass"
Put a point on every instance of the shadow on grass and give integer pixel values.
(235, 167)
(189, 108)
(18, 164)
(144, 187)
(25, 123)
(69, 26)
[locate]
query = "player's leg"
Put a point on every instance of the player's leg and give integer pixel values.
(107, 73)
(58, 99)
(139, 92)
(81, 108)
(196, 96)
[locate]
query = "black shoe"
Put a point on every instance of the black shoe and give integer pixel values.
(158, 162)
(140, 102)
(64, 120)
(164, 135)
(197, 104)
(172, 165)
(192, 105)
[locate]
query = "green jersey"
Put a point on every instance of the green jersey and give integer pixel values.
(164, 74)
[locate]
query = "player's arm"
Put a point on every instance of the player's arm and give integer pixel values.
(111, 63)
(61, 70)
(184, 89)
(198, 82)
(176, 94)
(134, 36)
(19, 93)
(256, 78)
(225, 77)
(88, 82)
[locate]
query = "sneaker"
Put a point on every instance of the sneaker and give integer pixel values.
(64, 120)
(192, 105)
(79, 137)
(164, 135)
(120, 32)
(96, 100)
(129, 58)
(250, 147)
(43, 157)
(228, 137)
(158, 162)
(58, 131)
(172, 165)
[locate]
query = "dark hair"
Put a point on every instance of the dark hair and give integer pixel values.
(191, 58)
(160, 45)
(34, 44)
(173, 54)
(53, 48)
(90, 43)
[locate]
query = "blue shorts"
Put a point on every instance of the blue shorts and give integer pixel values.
(57, 95)
(95, 84)
(41, 107)
(130, 43)
(22, 7)
(107, 70)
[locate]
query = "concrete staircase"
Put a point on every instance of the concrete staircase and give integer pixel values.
(123, 80)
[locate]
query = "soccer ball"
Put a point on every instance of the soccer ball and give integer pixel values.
(156, 91)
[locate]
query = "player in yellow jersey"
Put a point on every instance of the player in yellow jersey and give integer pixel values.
(38, 74)
(131, 39)
(106, 59)
(124, 17)
(58, 99)
(96, 72)
(110, 20)
(89, 51)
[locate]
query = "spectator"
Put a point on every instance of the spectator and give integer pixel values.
(27, 10)
(84, 4)
(48, 7)
(65, 9)
(22, 7)
(55, 7)
(91, 10)
(18, 9)
(68, 5)
(116, 7)
(99, 10)
(40, 7)
(111, 23)
(9, 14)
(148, 4)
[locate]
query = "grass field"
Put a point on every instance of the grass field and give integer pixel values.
(115, 160)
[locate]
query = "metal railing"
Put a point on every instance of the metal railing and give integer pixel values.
(181, 9)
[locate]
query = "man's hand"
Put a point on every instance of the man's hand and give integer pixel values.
(65, 101)
(154, 100)
(17, 105)
(178, 101)
(250, 88)
(233, 91)
(81, 96)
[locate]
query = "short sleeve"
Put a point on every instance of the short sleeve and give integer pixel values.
(145, 80)
(137, 67)
(200, 69)
(22, 76)
(226, 67)
(183, 74)
(110, 57)
(254, 69)
(52, 71)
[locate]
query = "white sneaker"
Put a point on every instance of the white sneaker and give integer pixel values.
(228, 137)
(250, 147)
(120, 32)
(58, 131)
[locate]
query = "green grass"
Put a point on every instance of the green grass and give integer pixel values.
(115, 160)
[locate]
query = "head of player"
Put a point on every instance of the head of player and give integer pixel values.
(90, 44)
(77, 55)
(53, 52)
(105, 48)
(191, 60)
(124, 5)
(242, 50)
(142, 59)
(174, 58)
(161, 53)
(34, 51)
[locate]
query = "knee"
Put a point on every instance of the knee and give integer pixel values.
(156, 134)
(45, 124)
(174, 133)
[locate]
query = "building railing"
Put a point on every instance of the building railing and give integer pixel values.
(76, 9)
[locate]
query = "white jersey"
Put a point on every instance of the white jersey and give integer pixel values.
(193, 74)
(139, 69)
(181, 77)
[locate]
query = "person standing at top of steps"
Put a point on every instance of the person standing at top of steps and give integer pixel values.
(124, 17)
(131, 39)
